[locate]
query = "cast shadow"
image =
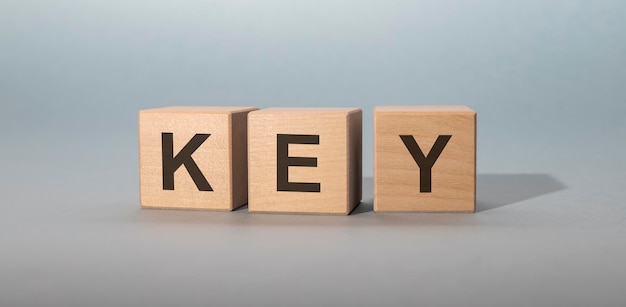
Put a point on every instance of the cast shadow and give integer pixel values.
(367, 204)
(497, 190)
(492, 190)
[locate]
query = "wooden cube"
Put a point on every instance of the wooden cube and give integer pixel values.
(193, 157)
(424, 159)
(304, 160)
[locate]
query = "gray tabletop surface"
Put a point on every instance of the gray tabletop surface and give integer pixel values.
(547, 79)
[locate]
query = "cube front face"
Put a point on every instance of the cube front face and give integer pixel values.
(443, 141)
(189, 158)
(304, 161)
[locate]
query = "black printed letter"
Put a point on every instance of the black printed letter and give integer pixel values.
(425, 164)
(283, 161)
(171, 163)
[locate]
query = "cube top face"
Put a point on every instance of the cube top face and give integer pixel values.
(211, 135)
(443, 135)
(199, 110)
(309, 111)
(424, 109)
(330, 136)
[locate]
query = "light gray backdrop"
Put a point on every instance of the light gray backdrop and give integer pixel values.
(547, 78)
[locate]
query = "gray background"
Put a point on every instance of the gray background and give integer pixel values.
(547, 78)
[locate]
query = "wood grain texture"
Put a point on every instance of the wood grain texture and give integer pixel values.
(222, 157)
(397, 175)
(338, 160)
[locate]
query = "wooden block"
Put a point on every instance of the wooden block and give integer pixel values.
(304, 160)
(424, 159)
(193, 157)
